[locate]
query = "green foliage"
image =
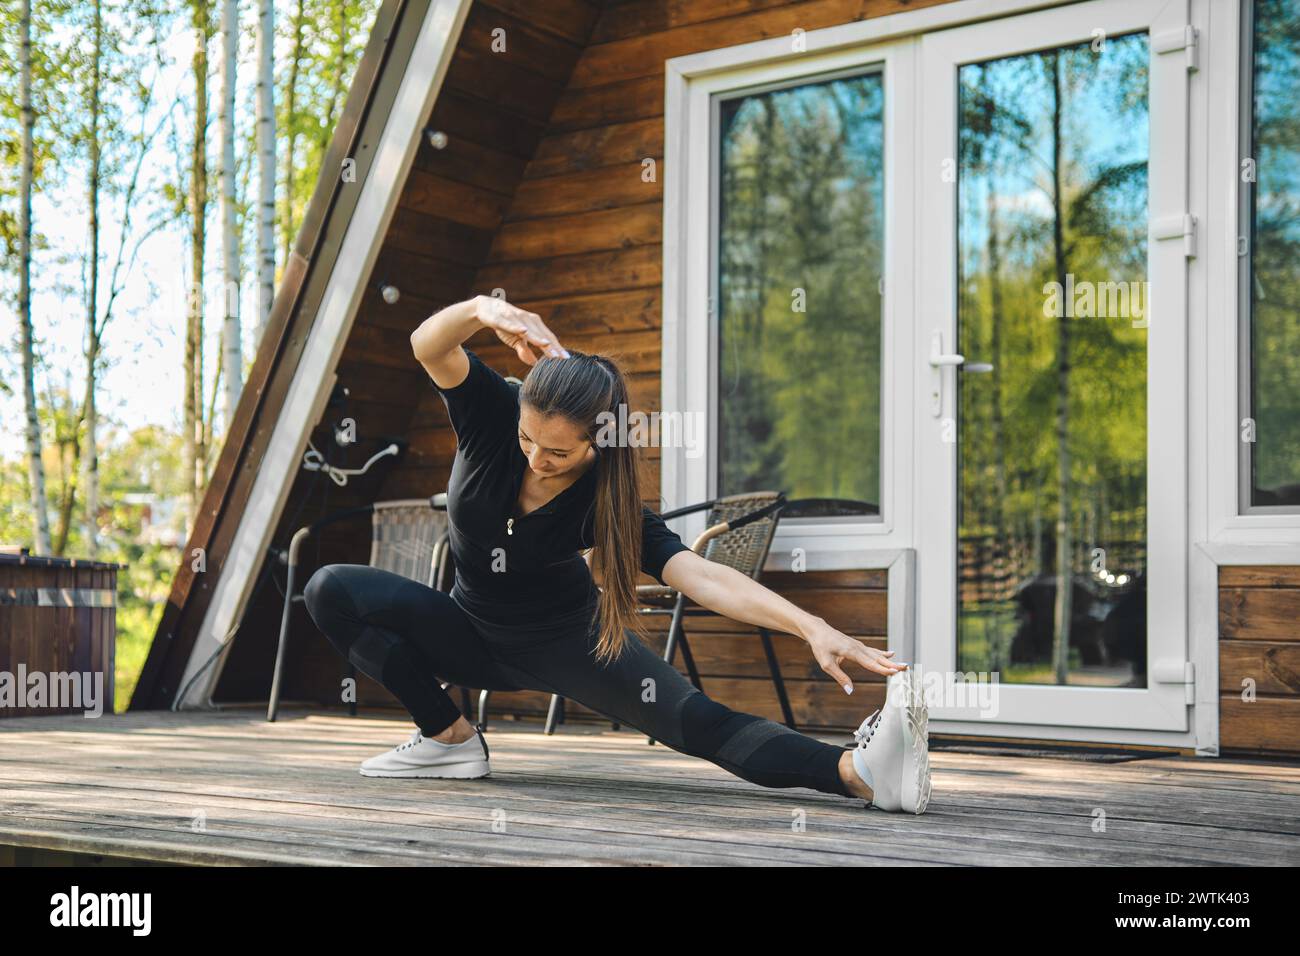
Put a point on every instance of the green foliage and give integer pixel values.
(329, 37)
(324, 39)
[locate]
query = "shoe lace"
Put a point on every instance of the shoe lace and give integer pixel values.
(871, 723)
(415, 739)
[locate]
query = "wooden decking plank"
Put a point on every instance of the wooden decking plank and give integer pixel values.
(571, 825)
(476, 827)
(289, 792)
(456, 846)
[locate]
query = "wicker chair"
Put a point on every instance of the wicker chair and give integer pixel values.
(739, 534)
(408, 537)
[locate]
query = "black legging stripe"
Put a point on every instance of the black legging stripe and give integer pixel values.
(410, 637)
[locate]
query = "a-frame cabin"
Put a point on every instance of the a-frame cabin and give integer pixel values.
(568, 153)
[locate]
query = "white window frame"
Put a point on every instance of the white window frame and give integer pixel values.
(1233, 533)
(689, 341)
(1223, 535)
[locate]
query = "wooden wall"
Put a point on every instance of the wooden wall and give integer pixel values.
(1259, 649)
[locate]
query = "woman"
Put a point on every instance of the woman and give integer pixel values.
(533, 485)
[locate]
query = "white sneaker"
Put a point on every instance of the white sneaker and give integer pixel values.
(422, 756)
(894, 747)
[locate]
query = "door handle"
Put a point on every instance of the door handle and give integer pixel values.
(939, 360)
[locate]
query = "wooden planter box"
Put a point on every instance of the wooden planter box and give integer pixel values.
(57, 631)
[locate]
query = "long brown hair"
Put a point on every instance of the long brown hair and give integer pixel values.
(580, 388)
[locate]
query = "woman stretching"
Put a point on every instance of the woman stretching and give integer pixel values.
(534, 485)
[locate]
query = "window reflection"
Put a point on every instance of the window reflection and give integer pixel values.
(800, 257)
(1052, 260)
(1271, 429)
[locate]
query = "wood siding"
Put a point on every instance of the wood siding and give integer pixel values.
(1259, 656)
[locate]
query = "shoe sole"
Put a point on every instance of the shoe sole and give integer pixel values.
(916, 728)
(471, 770)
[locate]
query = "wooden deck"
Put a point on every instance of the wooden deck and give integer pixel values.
(226, 787)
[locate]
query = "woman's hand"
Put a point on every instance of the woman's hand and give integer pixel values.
(518, 328)
(831, 648)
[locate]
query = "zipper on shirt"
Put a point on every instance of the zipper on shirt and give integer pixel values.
(545, 509)
(510, 522)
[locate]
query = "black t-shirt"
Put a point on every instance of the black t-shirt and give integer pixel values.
(538, 571)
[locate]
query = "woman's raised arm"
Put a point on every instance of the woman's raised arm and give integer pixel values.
(436, 343)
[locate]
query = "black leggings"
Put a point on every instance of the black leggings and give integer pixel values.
(402, 634)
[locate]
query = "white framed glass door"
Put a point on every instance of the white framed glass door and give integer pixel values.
(1050, 343)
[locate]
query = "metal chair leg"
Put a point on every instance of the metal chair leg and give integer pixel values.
(553, 713)
(482, 709)
(273, 703)
(674, 628)
(775, 668)
(295, 544)
(689, 659)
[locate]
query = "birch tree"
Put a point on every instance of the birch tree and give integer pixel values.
(231, 346)
(265, 164)
(100, 132)
(195, 448)
(290, 126)
(32, 429)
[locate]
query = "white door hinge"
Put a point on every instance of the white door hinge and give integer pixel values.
(1171, 41)
(1177, 227)
(1173, 671)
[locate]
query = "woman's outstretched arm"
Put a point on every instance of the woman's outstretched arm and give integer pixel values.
(726, 591)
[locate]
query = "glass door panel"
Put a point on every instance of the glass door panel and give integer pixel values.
(800, 256)
(1052, 444)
